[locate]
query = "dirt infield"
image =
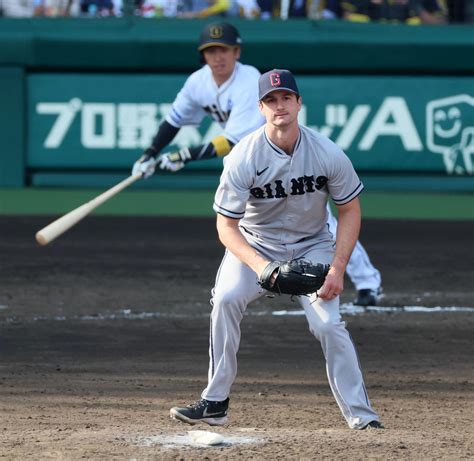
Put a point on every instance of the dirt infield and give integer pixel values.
(106, 329)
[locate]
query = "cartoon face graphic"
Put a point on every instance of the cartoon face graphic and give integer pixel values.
(449, 128)
(447, 123)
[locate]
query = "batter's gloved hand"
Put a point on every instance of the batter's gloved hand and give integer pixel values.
(145, 164)
(174, 161)
(295, 277)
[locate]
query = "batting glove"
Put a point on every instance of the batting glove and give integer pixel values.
(174, 161)
(145, 165)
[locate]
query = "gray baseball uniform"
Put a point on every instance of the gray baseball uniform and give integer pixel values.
(234, 106)
(280, 201)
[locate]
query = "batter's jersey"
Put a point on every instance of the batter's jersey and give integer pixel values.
(234, 104)
(282, 198)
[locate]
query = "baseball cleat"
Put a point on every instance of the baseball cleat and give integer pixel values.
(206, 411)
(368, 297)
(373, 425)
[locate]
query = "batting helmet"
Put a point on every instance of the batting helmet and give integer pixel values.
(219, 34)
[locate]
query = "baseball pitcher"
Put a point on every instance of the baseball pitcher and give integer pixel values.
(226, 90)
(272, 219)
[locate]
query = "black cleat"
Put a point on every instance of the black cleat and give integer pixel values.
(368, 297)
(373, 425)
(206, 411)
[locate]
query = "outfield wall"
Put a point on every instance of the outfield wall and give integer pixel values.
(82, 98)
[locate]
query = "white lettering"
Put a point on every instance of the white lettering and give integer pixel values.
(66, 113)
(402, 125)
(350, 130)
(336, 114)
(91, 138)
(137, 124)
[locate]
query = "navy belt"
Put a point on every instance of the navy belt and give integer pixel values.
(248, 232)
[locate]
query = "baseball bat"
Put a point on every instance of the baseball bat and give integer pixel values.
(59, 226)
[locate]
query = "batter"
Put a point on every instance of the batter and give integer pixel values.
(271, 205)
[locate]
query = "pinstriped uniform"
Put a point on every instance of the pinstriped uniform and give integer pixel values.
(233, 104)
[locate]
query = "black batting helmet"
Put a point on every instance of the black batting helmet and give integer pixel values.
(219, 34)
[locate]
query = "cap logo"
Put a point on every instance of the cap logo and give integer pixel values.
(275, 79)
(216, 32)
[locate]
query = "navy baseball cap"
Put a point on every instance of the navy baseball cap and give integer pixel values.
(219, 34)
(276, 79)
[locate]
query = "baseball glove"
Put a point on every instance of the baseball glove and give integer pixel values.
(295, 277)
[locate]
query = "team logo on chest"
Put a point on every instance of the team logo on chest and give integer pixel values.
(298, 186)
(217, 113)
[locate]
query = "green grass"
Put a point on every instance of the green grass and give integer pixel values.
(52, 201)
(441, 206)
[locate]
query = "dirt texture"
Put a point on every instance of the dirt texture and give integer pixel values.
(104, 330)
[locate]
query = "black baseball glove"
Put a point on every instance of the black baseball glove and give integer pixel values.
(295, 277)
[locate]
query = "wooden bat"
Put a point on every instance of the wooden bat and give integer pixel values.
(62, 224)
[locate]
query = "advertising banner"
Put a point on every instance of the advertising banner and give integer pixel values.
(386, 124)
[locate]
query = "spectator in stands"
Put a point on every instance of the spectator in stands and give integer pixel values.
(248, 9)
(52, 8)
(100, 8)
(460, 11)
(298, 8)
(328, 9)
(398, 11)
(157, 8)
(433, 11)
(291, 9)
(266, 9)
(206, 8)
(17, 9)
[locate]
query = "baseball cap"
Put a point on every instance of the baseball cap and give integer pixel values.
(276, 79)
(219, 34)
